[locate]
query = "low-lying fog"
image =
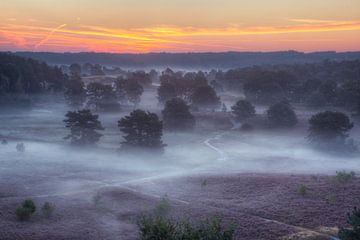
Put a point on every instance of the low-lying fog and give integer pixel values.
(48, 157)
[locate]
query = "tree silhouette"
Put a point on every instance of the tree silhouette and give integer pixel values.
(102, 97)
(329, 128)
(243, 110)
(133, 91)
(83, 127)
(281, 115)
(177, 116)
(166, 91)
(142, 130)
(205, 97)
(75, 69)
(75, 92)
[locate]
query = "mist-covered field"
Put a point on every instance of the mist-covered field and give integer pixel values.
(213, 171)
(98, 152)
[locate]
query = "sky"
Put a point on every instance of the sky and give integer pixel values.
(141, 26)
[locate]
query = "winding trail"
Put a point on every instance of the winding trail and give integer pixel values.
(222, 155)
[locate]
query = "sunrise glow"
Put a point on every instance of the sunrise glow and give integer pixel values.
(179, 26)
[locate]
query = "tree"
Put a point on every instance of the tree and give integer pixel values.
(166, 91)
(83, 127)
(205, 97)
(177, 116)
(142, 129)
(75, 92)
(329, 128)
(243, 110)
(141, 77)
(133, 91)
(102, 97)
(354, 221)
(75, 69)
(281, 115)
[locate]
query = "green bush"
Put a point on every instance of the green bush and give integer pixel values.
(47, 209)
(29, 204)
(23, 214)
(160, 228)
(354, 232)
(344, 177)
(162, 209)
(302, 190)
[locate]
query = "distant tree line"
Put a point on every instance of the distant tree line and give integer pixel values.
(25, 75)
(317, 85)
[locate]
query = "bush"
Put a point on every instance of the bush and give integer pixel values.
(47, 209)
(163, 208)
(302, 190)
(23, 214)
(27, 208)
(344, 177)
(243, 110)
(20, 147)
(160, 228)
(354, 221)
(156, 228)
(29, 204)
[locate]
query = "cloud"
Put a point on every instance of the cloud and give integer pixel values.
(49, 35)
(158, 38)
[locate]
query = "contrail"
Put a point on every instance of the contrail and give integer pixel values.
(49, 35)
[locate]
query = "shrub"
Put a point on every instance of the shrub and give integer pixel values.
(156, 228)
(204, 183)
(344, 177)
(23, 214)
(47, 209)
(20, 147)
(163, 208)
(29, 204)
(160, 228)
(243, 110)
(354, 221)
(302, 190)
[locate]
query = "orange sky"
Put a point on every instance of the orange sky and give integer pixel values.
(137, 26)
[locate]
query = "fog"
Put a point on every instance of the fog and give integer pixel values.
(66, 169)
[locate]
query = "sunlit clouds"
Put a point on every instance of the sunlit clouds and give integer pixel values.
(298, 34)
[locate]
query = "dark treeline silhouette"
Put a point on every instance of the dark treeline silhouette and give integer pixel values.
(25, 75)
(317, 85)
(190, 60)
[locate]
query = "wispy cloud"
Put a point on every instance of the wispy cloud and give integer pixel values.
(156, 38)
(49, 35)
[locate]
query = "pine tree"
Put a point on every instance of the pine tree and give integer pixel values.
(83, 127)
(142, 130)
(177, 116)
